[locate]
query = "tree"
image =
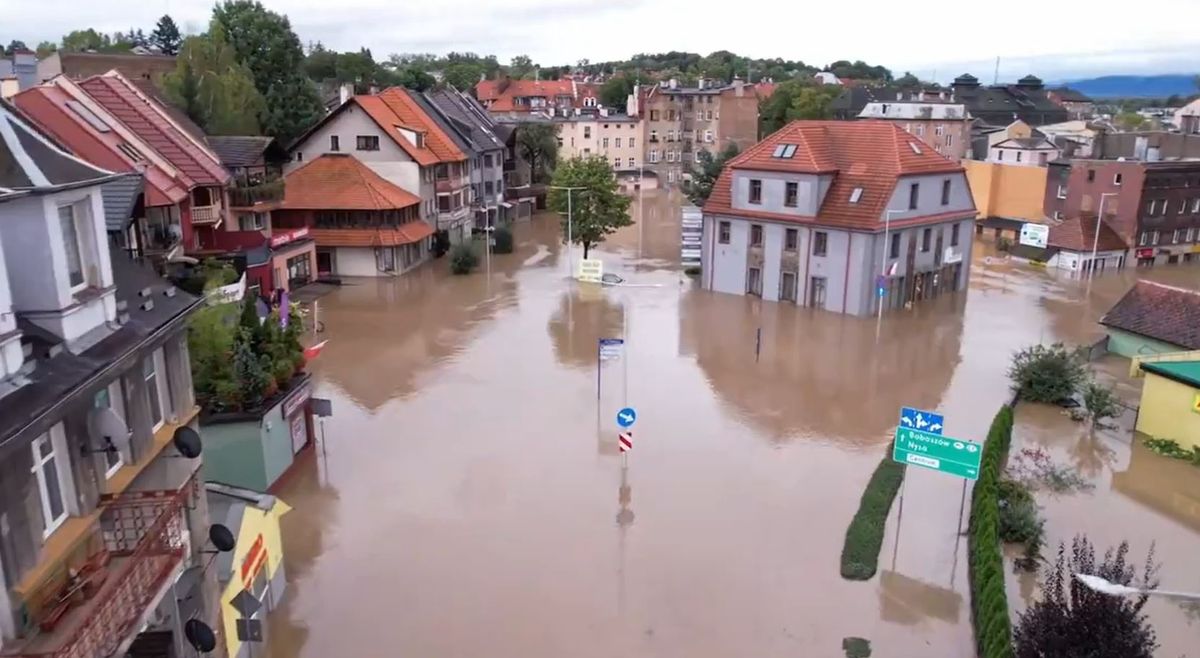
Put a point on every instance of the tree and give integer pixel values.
(813, 102)
(14, 46)
(615, 92)
(46, 48)
(596, 210)
(215, 91)
(463, 259)
(538, 144)
(321, 63)
(908, 81)
(1047, 373)
(166, 36)
(462, 75)
(415, 79)
(1100, 401)
(796, 99)
(84, 40)
(705, 176)
(520, 67)
(1073, 621)
(1130, 121)
(265, 44)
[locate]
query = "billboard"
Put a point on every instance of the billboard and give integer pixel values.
(1035, 235)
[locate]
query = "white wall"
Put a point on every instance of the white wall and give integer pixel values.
(726, 268)
(356, 261)
(774, 190)
(352, 122)
(929, 199)
(1029, 157)
(11, 357)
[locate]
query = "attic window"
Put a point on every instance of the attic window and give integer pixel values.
(915, 149)
(856, 194)
(784, 151)
(87, 115)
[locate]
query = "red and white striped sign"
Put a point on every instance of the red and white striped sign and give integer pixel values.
(625, 441)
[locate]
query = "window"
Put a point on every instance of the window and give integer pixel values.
(791, 238)
(670, 135)
(1144, 239)
(252, 221)
(756, 235)
(1019, 154)
(653, 155)
(487, 159)
(791, 195)
(334, 144)
(71, 245)
(698, 158)
(653, 136)
(856, 194)
(1153, 237)
(820, 243)
(950, 140)
(489, 188)
(723, 232)
(1091, 175)
(939, 130)
(367, 142)
(46, 470)
(787, 287)
(1196, 205)
(587, 132)
(617, 142)
(631, 163)
(1191, 235)
(914, 195)
(1176, 236)
(87, 115)
(653, 117)
(1041, 158)
(1116, 179)
(1058, 214)
(816, 292)
(708, 113)
(631, 145)
(154, 374)
(894, 248)
(920, 130)
(1062, 192)
(754, 281)
(299, 156)
(946, 192)
(670, 156)
(708, 136)
(616, 163)
(926, 239)
(999, 155)
(954, 235)
(604, 142)
(755, 191)
(110, 398)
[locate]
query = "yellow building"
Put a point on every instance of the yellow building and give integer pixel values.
(1171, 402)
(255, 565)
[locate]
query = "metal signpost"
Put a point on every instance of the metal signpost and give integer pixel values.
(607, 349)
(936, 452)
(919, 419)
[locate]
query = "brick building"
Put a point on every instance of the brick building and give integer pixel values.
(679, 122)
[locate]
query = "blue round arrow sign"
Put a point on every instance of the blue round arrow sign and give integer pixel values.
(626, 416)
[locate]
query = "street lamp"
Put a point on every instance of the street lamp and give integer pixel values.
(1098, 584)
(1096, 238)
(887, 225)
(569, 190)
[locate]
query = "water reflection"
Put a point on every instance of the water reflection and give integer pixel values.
(906, 600)
(585, 314)
(1167, 486)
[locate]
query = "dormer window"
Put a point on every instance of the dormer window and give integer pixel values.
(74, 222)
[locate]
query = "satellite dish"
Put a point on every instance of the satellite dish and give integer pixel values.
(187, 442)
(200, 635)
(221, 537)
(108, 431)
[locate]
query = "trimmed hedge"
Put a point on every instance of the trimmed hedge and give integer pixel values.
(864, 537)
(989, 600)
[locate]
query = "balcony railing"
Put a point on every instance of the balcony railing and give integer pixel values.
(204, 215)
(104, 602)
(245, 196)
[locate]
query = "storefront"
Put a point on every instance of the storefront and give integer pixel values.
(293, 259)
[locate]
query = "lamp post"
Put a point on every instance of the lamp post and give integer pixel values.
(1098, 584)
(569, 190)
(1096, 237)
(887, 225)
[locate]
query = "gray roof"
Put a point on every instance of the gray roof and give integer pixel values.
(239, 150)
(32, 162)
(467, 117)
(120, 199)
(456, 131)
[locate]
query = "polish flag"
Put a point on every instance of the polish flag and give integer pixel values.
(311, 352)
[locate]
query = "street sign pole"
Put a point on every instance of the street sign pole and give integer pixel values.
(598, 343)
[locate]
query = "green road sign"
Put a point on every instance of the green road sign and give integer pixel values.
(936, 452)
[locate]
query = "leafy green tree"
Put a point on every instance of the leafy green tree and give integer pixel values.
(46, 48)
(521, 67)
(166, 36)
(1101, 402)
(813, 102)
(537, 143)
(358, 68)
(266, 45)
(596, 210)
(502, 240)
(415, 79)
(463, 259)
(615, 92)
(82, 40)
(1049, 374)
(705, 175)
(1130, 121)
(14, 46)
(462, 75)
(216, 91)
(321, 63)
(796, 99)
(1073, 621)
(908, 81)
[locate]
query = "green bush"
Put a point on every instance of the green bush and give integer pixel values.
(1020, 522)
(1101, 401)
(502, 241)
(860, 553)
(694, 270)
(463, 259)
(1170, 448)
(1044, 373)
(989, 600)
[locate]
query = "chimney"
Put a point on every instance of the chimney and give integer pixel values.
(345, 92)
(673, 83)
(700, 83)
(899, 95)
(739, 88)
(1153, 154)
(1140, 146)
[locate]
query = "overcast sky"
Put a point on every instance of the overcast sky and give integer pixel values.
(1054, 40)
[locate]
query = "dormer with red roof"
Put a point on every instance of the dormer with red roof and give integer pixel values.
(840, 216)
(551, 97)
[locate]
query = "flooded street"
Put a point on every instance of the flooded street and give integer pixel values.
(471, 501)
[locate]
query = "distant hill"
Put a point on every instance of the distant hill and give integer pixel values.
(1136, 86)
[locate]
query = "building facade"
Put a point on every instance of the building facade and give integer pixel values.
(104, 520)
(841, 216)
(945, 127)
(616, 138)
(679, 122)
(563, 97)
(465, 117)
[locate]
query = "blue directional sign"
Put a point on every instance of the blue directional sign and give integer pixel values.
(626, 416)
(919, 419)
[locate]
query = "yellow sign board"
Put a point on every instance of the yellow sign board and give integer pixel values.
(590, 270)
(1196, 403)
(1196, 249)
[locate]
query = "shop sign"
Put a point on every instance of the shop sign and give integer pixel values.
(284, 237)
(297, 400)
(1145, 253)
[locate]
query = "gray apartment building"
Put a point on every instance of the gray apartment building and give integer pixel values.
(840, 216)
(475, 131)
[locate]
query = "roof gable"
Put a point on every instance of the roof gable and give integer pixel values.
(339, 181)
(1154, 310)
(1079, 234)
(31, 161)
(410, 113)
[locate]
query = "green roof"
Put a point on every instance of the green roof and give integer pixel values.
(1184, 372)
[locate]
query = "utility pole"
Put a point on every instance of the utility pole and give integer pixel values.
(570, 258)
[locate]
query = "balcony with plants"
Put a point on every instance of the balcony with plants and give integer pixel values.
(256, 192)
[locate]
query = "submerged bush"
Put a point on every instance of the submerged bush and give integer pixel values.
(1047, 373)
(864, 537)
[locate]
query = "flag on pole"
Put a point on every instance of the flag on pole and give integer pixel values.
(625, 441)
(312, 351)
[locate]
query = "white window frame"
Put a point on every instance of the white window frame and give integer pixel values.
(920, 130)
(116, 402)
(617, 143)
(1062, 192)
(632, 163)
(1154, 238)
(1116, 179)
(1191, 234)
(57, 440)
(83, 240)
(670, 156)
(708, 136)
(1196, 205)
(616, 163)
(939, 130)
(159, 362)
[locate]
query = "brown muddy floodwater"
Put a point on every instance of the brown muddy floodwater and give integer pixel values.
(472, 501)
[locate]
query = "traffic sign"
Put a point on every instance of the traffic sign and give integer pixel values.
(625, 441)
(610, 348)
(919, 419)
(626, 417)
(936, 452)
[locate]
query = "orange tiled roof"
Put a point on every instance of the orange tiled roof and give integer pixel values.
(410, 114)
(1079, 234)
(503, 101)
(338, 181)
(867, 154)
(487, 90)
(381, 114)
(409, 233)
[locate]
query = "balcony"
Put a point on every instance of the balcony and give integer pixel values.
(248, 196)
(206, 215)
(451, 184)
(101, 604)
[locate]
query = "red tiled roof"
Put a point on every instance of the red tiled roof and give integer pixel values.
(871, 155)
(338, 181)
(503, 101)
(398, 100)
(150, 123)
(1079, 234)
(765, 89)
(413, 231)
(1165, 313)
(46, 105)
(387, 120)
(487, 90)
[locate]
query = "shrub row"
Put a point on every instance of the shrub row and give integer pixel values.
(989, 601)
(860, 553)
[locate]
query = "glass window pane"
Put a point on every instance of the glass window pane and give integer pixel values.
(54, 500)
(66, 219)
